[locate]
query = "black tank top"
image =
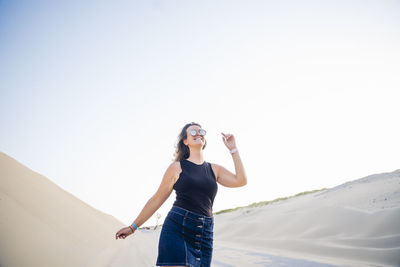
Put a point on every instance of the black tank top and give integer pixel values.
(196, 188)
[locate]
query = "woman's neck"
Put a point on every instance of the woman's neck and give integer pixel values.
(196, 156)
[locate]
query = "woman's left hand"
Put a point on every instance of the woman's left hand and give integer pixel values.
(229, 141)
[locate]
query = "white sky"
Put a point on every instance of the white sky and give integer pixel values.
(93, 95)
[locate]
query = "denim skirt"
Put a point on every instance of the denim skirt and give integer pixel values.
(186, 239)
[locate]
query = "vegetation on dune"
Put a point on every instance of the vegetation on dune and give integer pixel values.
(264, 203)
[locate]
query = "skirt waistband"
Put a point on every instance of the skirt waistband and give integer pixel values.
(192, 215)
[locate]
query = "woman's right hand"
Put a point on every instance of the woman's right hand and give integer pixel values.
(124, 232)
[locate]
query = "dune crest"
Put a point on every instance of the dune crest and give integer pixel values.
(43, 225)
(355, 224)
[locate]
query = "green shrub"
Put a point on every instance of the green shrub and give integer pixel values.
(264, 203)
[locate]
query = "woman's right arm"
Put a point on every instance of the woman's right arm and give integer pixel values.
(162, 194)
(155, 202)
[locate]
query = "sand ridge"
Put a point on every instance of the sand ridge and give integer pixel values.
(353, 224)
(356, 223)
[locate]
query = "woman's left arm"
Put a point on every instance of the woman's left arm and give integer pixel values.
(224, 176)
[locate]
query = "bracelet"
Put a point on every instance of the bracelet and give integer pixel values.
(234, 150)
(134, 225)
(130, 227)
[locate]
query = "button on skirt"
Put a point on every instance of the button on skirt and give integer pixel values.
(186, 239)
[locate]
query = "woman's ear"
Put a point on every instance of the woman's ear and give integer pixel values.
(185, 142)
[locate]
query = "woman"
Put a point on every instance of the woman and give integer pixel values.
(186, 237)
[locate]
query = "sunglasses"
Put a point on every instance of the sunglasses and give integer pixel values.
(194, 132)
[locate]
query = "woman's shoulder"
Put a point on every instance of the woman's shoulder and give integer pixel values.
(175, 170)
(175, 166)
(215, 167)
(175, 163)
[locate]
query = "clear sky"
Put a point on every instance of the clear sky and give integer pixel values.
(94, 93)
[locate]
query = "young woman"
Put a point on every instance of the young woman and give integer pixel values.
(186, 237)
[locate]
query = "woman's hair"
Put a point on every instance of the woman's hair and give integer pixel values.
(181, 150)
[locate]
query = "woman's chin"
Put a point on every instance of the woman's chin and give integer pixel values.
(198, 145)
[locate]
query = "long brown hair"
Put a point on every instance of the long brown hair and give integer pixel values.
(181, 150)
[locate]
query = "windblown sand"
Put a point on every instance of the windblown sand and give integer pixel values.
(354, 224)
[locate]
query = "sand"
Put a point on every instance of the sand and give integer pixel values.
(43, 225)
(354, 224)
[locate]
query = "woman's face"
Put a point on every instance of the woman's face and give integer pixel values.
(197, 140)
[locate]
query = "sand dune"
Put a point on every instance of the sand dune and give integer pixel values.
(354, 224)
(43, 225)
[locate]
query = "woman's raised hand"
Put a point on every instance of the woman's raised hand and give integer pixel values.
(123, 233)
(229, 141)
